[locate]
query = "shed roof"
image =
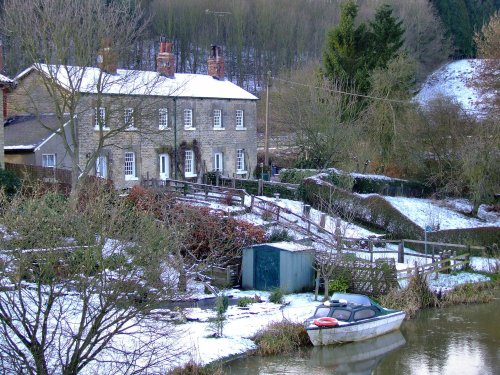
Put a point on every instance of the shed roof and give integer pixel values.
(288, 246)
(24, 133)
(91, 80)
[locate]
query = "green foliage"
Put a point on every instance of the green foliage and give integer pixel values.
(281, 337)
(338, 284)
(295, 175)
(344, 55)
(278, 235)
(221, 305)
(9, 182)
(386, 36)
(245, 301)
(276, 296)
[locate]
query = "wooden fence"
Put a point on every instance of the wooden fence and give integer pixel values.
(189, 191)
(45, 174)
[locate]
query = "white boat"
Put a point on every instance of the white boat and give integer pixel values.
(350, 317)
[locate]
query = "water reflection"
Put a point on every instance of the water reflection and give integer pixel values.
(458, 340)
(358, 358)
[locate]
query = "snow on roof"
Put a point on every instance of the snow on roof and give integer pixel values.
(452, 81)
(4, 79)
(290, 246)
(91, 80)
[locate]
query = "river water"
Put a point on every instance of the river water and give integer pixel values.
(456, 340)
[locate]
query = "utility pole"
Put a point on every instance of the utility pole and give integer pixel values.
(266, 132)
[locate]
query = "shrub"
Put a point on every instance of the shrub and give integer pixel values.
(276, 296)
(278, 235)
(9, 181)
(339, 284)
(296, 176)
(245, 301)
(414, 297)
(470, 293)
(281, 337)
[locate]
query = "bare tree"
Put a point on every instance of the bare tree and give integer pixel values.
(63, 42)
(79, 286)
(321, 118)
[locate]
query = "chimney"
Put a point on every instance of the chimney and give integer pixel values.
(107, 57)
(216, 63)
(165, 61)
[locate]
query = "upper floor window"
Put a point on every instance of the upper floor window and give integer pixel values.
(240, 161)
(188, 119)
(129, 166)
(128, 116)
(49, 160)
(239, 119)
(189, 166)
(100, 118)
(217, 119)
(163, 118)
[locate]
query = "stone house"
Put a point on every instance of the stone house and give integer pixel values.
(33, 140)
(150, 124)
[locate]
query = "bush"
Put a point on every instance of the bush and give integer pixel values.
(245, 301)
(276, 296)
(470, 293)
(281, 337)
(339, 284)
(296, 176)
(9, 181)
(278, 235)
(414, 297)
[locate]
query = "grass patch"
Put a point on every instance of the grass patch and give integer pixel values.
(469, 293)
(281, 337)
(414, 297)
(192, 368)
(245, 301)
(276, 296)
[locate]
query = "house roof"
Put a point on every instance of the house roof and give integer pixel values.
(24, 133)
(137, 82)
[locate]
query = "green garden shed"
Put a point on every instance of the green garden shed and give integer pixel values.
(284, 265)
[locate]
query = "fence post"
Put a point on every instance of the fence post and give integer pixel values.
(401, 252)
(252, 197)
(260, 187)
(306, 211)
(278, 214)
(322, 221)
(370, 248)
(234, 183)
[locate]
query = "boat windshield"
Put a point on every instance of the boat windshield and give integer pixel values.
(341, 314)
(322, 312)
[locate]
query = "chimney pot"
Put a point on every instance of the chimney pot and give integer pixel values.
(165, 61)
(216, 63)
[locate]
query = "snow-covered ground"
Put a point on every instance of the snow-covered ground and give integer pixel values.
(452, 81)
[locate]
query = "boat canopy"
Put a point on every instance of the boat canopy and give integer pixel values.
(357, 299)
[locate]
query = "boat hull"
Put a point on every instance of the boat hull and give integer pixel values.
(355, 331)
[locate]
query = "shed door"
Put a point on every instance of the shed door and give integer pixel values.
(267, 269)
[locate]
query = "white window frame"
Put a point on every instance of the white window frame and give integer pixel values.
(49, 157)
(128, 118)
(130, 166)
(101, 166)
(100, 114)
(188, 119)
(240, 161)
(218, 119)
(189, 164)
(219, 162)
(164, 166)
(240, 124)
(163, 118)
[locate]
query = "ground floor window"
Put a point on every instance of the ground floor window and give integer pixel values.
(240, 161)
(219, 162)
(101, 167)
(49, 160)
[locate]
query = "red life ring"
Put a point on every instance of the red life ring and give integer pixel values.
(326, 322)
